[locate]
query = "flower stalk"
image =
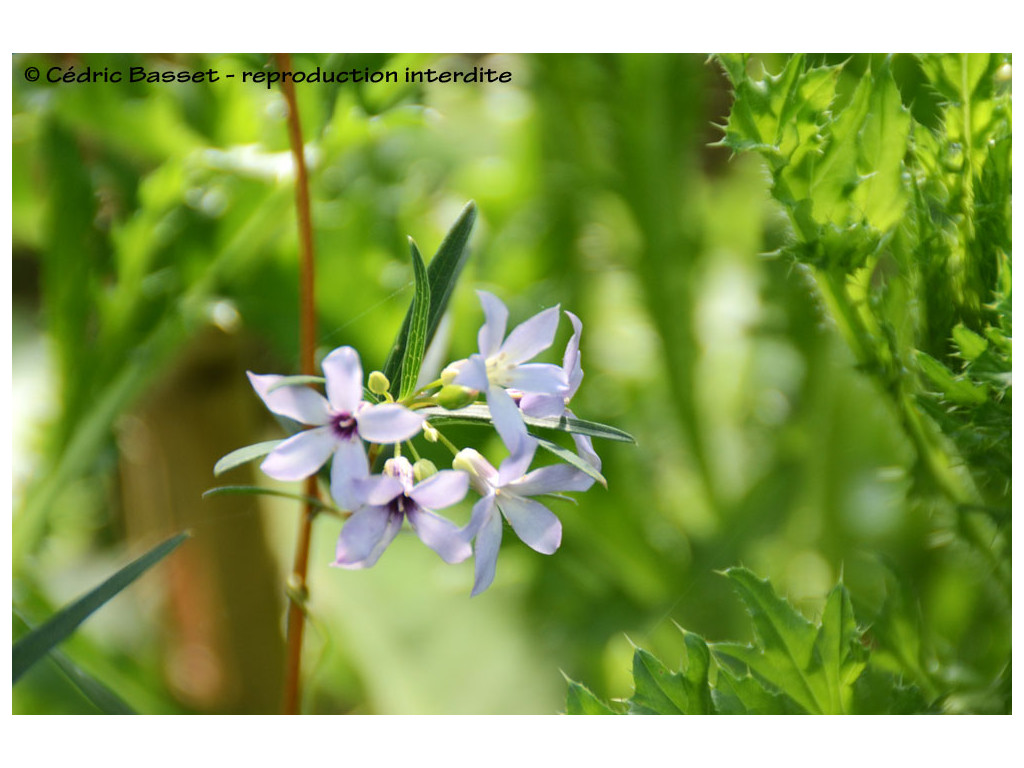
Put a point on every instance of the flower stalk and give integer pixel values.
(298, 589)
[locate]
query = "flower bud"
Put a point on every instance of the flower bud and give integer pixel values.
(453, 396)
(429, 433)
(423, 469)
(451, 371)
(378, 383)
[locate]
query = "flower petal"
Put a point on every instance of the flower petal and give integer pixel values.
(441, 490)
(482, 476)
(540, 406)
(347, 470)
(516, 464)
(387, 423)
(473, 373)
(344, 375)
(300, 455)
(442, 536)
(553, 479)
(488, 542)
(532, 336)
(493, 330)
(545, 378)
(301, 404)
(365, 536)
(585, 448)
(507, 419)
(534, 523)
(376, 490)
(571, 360)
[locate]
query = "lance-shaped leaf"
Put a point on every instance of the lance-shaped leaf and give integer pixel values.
(244, 455)
(479, 414)
(259, 491)
(37, 643)
(443, 272)
(571, 458)
(416, 341)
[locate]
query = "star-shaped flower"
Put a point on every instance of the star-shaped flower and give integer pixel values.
(501, 365)
(392, 498)
(341, 422)
(505, 491)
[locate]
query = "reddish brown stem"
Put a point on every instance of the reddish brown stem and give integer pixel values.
(307, 345)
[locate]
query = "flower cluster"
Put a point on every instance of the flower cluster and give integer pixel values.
(343, 421)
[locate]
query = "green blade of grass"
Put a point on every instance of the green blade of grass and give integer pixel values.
(37, 643)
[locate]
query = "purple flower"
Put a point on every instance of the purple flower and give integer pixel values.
(505, 491)
(341, 422)
(393, 497)
(541, 405)
(500, 365)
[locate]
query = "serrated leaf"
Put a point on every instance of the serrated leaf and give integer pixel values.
(244, 455)
(37, 643)
(971, 345)
(416, 340)
(580, 701)
(955, 389)
(882, 197)
(479, 414)
(838, 649)
(571, 458)
(745, 695)
(443, 272)
(657, 690)
(784, 651)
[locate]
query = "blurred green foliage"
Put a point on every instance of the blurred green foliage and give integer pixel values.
(150, 219)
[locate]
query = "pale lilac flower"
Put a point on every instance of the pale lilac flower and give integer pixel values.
(505, 491)
(541, 405)
(500, 366)
(392, 498)
(341, 422)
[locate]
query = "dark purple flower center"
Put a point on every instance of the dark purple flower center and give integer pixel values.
(344, 426)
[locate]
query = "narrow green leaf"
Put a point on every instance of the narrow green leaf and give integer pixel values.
(838, 649)
(571, 458)
(580, 701)
(244, 455)
(104, 699)
(443, 272)
(37, 643)
(479, 414)
(416, 341)
(256, 490)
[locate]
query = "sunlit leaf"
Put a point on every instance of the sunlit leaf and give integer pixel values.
(479, 414)
(571, 458)
(416, 341)
(230, 490)
(244, 455)
(443, 272)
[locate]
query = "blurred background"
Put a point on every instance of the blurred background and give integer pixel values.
(155, 261)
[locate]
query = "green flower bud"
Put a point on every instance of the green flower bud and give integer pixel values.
(378, 383)
(423, 469)
(429, 433)
(454, 396)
